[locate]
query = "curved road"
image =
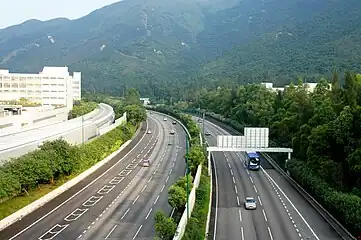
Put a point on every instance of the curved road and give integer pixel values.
(119, 200)
(282, 213)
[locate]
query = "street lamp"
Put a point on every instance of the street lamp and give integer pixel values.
(187, 173)
(82, 129)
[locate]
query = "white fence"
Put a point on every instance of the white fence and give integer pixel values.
(192, 200)
(74, 133)
(118, 122)
(31, 118)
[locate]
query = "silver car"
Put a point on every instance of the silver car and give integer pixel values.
(250, 203)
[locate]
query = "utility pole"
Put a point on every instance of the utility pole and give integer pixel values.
(203, 121)
(187, 173)
(82, 129)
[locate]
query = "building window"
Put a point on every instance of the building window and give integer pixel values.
(22, 90)
(45, 90)
(6, 85)
(45, 84)
(54, 85)
(22, 85)
(14, 90)
(45, 77)
(6, 78)
(14, 78)
(61, 85)
(14, 85)
(22, 78)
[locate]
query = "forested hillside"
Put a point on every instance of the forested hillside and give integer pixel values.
(325, 38)
(323, 128)
(159, 46)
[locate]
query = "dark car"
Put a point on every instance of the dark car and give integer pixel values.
(174, 122)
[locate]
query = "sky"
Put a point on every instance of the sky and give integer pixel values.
(17, 11)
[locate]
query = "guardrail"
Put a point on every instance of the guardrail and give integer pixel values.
(192, 195)
(331, 220)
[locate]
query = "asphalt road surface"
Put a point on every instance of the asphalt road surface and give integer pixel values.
(281, 214)
(118, 201)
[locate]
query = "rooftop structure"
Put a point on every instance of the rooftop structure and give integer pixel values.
(310, 86)
(53, 86)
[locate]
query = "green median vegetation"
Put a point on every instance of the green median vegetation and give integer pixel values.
(33, 175)
(81, 108)
(177, 193)
(322, 126)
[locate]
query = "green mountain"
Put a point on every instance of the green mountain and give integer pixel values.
(327, 39)
(158, 45)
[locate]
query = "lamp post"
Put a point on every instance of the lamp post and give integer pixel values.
(82, 129)
(187, 173)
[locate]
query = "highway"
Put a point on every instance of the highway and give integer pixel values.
(281, 214)
(118, 201)
(9, 141)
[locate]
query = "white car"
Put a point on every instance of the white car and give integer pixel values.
(149, 132)
(146, 162)
(172, 132)
(250, 203)
(164, 119)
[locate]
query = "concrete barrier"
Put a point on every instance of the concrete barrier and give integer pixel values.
(77, 133)
(50, 196)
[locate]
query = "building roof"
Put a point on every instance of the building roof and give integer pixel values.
(55, 71)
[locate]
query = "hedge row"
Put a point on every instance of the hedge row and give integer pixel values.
(56, 159)
(177, 192)
(343, 206)
(197, 223)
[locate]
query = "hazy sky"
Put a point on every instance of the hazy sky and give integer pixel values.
(17, 11)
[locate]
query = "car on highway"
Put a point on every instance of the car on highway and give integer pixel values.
(174, 122)
(208, 133)
(172, 132)
(146, 162)
(250, 203)
(165, 119)
(149, 132)
(199, 120)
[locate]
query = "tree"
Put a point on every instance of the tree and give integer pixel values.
(135, 113)
(132, 97)
(165, 227)
(177, 197)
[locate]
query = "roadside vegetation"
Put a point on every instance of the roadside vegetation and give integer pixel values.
(81, 108)
(322, 127)
(177, 193)
(31, 176)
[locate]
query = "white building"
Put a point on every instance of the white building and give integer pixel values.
(53, 86)
(309, 86)
(145, 101)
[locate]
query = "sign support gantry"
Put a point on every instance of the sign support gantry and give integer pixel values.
(254, 140)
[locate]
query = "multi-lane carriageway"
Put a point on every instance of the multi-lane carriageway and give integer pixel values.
(282, 213)
(118, 201)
